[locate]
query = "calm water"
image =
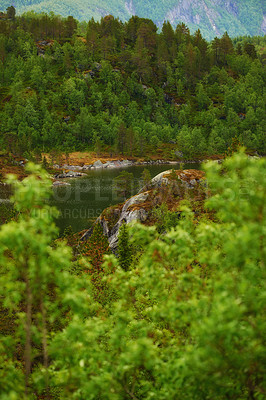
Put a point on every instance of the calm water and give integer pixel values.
(84, 200)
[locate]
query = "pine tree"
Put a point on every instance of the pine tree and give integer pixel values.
(96, 247)
(124, 183)
(146, 177)
(124, 248)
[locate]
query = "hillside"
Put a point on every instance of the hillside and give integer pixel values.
(212, 17)
(125, 89)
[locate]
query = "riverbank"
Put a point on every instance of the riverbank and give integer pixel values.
(76, 164)
(80, 159)
(67, 171)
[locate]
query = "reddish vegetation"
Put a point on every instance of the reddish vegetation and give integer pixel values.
(188, 174)
(6, 167)
(89, 157)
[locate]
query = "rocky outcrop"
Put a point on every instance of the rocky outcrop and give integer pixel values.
(139, 207)
(127, 214)
(69, 174)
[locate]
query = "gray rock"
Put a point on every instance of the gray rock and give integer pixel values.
(179, 154)
(75, 168)
(126, 163)
(137, 199)
(126, 217)
(70, 174)
(160, 179)
(108, 164)
(70, 167)
(98, 164)
(86, 167)
(60, 183)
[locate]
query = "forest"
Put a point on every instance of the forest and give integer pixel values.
(127, 87)
(177, 311)
(213, 17)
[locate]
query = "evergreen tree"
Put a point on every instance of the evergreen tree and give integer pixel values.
(95, 247)
(124, 249)
(146, 177)
(124, 183)
(11, 12)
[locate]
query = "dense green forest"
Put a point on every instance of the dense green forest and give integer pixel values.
(212, 17)
(70, 86)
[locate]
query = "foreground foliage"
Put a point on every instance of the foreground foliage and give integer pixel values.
(186, 322)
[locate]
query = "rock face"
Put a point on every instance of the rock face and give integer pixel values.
(139, 207)
(126, 215)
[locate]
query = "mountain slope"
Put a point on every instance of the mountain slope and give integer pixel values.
(212, 17)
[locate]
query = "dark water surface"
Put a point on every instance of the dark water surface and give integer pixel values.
(85, 198)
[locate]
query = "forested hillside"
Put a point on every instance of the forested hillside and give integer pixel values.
(127, 86)
(212, 17)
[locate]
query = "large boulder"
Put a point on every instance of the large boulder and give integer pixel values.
(160, 179)
(135, 200)
(188, 177)
(138, 207)
(131, 211)
(129, 216)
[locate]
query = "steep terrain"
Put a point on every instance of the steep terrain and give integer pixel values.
(212, 17)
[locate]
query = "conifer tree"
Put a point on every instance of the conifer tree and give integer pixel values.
(124, 183)
(124, 248)
(96, 246)
(146, 177)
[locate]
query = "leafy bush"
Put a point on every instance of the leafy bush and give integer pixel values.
(186, 322)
